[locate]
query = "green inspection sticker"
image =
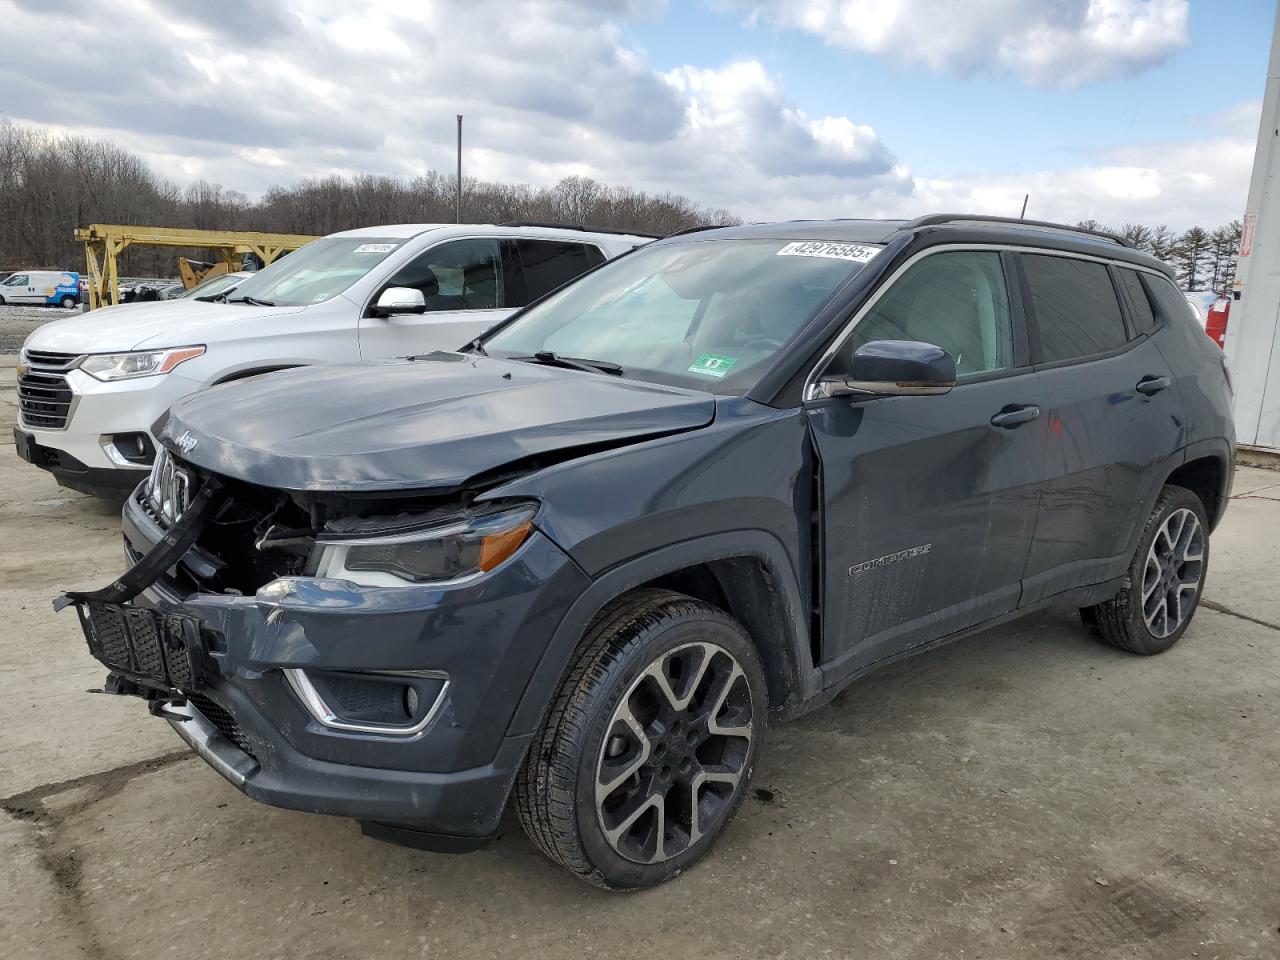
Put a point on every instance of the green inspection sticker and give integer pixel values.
(713, 365)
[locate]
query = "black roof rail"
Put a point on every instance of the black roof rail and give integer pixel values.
(705, 226)
(586, 228)
(935, 219)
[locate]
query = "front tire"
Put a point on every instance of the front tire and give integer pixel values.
(1164, 582)
(649, 747)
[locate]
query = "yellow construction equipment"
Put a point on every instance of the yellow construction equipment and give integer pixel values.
(103, 242)
(196, 271)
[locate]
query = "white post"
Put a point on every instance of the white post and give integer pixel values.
(1252, 345)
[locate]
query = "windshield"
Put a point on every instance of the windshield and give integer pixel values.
(317, 272)
(213, 286)
(704, 314)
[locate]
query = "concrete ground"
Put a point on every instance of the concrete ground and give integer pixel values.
(1026, 794)
(17, 322)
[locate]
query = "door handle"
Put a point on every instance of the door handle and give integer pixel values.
(1149, 386)
(1015, 416)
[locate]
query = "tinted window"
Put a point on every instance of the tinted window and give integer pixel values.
(957, 301)
(1169, 300)
(17, 280)
(1144, 318)
(458, 275)
(1076, 308)
(551, 263)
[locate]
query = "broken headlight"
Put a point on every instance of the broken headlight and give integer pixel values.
(443, 552)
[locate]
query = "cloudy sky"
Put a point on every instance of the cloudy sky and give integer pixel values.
(1142, 110)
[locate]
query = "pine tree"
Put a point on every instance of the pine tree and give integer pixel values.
(1160, 245)
(1191, 255)
(1137, 234)
(1226, 249)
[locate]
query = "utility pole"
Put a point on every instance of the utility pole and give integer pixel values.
(459, 168)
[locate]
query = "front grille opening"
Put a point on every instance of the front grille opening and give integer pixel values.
(222, 719)
(44, 400)
(257, 536)
(48, 358)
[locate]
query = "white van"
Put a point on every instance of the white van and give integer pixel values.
(53, 288)
(90, 387)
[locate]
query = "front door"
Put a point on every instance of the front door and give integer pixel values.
(463, 283)
(929, 502)
(19, 289)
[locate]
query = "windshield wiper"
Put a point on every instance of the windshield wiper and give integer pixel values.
(573, 363)
(253, 301)
(478, 347)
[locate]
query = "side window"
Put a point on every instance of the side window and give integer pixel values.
(1169, 300)
(17, 280)
(1076, 309)
(551, 263)
(1144, 318)
(957, 301)
(458, 275)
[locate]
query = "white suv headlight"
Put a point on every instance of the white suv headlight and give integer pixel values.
(142, 363)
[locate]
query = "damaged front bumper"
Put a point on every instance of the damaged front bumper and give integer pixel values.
(477, 643)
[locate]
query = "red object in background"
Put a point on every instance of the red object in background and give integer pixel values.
(1215, 321)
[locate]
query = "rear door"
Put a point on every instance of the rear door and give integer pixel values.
(1112, 419)
(548, 264)
(464, 283)
(929, 502)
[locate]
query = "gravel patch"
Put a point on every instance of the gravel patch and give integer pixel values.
(17, 322)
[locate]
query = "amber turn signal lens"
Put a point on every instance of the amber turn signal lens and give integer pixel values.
(497, 547)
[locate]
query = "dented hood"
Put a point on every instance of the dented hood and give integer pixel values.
(431, 423)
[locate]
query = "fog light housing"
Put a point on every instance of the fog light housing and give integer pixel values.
(390, 703)
(128, 449)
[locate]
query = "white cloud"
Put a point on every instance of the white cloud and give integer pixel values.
(1060, 43)
(553, 92)
(321, 89)
(1202, 181)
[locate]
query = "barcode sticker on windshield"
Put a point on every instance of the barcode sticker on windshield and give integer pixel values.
(856, 252)
(375, 248)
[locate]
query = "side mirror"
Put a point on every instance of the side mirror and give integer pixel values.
(893, 368)
(394, 300)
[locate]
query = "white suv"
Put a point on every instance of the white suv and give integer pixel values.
(91, 386)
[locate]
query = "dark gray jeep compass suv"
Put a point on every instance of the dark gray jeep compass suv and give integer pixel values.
(585, 561)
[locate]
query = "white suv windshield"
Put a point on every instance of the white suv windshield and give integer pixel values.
(705, 314)
(320, 270)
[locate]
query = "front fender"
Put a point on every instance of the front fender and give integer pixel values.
(804, 680)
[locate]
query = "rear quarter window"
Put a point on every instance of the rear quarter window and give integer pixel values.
(1169, 301)
(549, 264)
(1076, 310)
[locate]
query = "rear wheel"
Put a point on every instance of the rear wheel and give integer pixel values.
(1166, 575)
(67, 302)
(649, 747)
